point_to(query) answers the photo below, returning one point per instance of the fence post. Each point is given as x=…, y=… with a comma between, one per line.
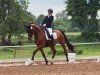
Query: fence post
x=14, y=53
x=93, y=49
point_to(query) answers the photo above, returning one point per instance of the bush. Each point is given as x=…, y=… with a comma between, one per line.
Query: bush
x=79, y=52
x=88, y=36
x=98, y=36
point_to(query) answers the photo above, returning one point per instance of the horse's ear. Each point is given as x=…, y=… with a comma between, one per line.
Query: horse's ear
x=27, y=26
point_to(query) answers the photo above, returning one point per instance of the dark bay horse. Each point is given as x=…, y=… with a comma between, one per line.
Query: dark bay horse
x=41, y=42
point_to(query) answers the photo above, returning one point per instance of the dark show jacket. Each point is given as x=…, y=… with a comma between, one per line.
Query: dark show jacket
x=48, y=21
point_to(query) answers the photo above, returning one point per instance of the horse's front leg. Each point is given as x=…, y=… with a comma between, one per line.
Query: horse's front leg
x=54, y=53
x=44, y=56
x=29, y=62
x=34, y=53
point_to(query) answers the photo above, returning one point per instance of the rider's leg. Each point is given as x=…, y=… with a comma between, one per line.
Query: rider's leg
x=51, y=35
x=50, y=32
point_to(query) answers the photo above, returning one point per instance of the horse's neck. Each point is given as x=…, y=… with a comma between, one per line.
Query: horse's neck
x=38, y=34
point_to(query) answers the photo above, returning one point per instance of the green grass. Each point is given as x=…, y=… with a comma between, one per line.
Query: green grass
x=89, y=50
x=73, y=33
x=8, y=53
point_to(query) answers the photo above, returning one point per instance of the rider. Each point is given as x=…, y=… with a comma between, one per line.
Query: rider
x=47, y=22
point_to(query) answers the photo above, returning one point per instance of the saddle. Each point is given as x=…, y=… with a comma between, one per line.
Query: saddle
x=47, y=34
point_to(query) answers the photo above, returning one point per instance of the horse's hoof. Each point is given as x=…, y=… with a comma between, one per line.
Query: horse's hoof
x=67, y=60
x=29, y=62
x=46, y=63
x=51, y=63
x=52, y=60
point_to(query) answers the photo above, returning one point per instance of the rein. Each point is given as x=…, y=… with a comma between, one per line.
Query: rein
x=37, y=33
x=35, y=36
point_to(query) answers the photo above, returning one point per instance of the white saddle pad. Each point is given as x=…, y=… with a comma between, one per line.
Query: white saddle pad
x=54, y=36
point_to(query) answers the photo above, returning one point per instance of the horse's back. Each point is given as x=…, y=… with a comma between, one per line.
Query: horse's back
x=59, y=34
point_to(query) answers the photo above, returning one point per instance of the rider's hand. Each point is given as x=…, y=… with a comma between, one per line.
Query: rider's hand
x=44, y=25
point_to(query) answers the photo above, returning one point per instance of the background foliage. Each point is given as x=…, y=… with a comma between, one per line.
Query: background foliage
x=78, y=16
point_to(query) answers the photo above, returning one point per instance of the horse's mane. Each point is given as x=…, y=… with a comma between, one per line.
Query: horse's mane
x=35, y=25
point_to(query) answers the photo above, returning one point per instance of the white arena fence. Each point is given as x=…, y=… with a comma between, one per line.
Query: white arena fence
x=15, y=48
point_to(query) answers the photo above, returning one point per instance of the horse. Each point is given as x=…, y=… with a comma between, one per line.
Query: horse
x=41, y=42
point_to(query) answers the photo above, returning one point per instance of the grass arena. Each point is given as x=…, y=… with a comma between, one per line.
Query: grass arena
x=59, y=67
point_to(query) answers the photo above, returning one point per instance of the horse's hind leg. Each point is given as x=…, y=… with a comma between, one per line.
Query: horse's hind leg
x=65, y=50
x=54, y=53
x=53, y=50
x=44, y=56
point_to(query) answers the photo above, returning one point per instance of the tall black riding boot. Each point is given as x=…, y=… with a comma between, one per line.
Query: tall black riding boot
x=52, y=39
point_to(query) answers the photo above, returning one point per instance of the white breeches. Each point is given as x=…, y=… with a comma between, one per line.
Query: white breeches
x=50, y=31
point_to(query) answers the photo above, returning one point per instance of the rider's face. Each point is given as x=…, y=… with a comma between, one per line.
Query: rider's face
x=49, y=13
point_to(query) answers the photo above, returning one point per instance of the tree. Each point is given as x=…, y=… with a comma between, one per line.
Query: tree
x=62, y=21
x=77, y=10
x=39, y=19
x=5, y=7
x=92, y=26
x=80, y=11
x=99, y=25
x=13, y=19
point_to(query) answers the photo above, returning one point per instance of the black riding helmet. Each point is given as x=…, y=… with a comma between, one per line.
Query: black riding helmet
x=50, y=11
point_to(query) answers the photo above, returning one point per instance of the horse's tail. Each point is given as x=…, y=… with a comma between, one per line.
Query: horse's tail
x=70, y=46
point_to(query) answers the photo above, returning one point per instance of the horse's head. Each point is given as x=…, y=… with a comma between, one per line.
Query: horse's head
x=30, y=31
